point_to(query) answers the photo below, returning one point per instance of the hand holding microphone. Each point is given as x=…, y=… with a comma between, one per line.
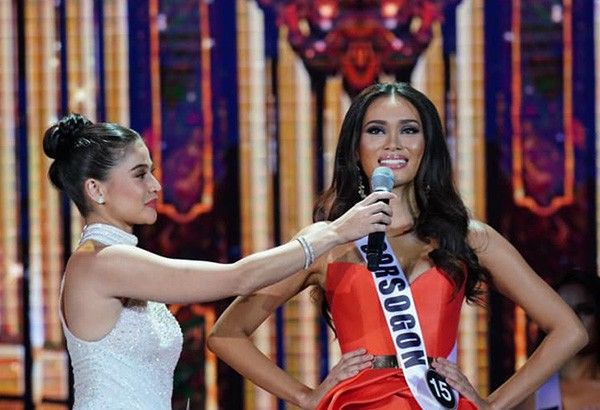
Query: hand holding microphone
x=372, y=214
x=382, y=180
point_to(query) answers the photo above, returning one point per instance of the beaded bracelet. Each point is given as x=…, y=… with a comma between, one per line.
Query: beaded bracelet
x=309, y=252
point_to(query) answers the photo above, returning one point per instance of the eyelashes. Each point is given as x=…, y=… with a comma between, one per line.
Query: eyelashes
x=381, y=130
x=143, y=174
x=375, y=130
x=410, y=130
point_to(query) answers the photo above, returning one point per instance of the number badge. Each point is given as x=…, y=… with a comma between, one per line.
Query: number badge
x=440, y=389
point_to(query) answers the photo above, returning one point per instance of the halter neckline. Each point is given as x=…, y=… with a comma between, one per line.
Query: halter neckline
x=107, y=235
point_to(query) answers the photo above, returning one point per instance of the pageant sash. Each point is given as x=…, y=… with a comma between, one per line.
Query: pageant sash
x=430, y=389
x=547, y=397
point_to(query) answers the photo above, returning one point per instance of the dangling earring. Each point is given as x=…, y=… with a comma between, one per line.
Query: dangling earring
x=361, y=187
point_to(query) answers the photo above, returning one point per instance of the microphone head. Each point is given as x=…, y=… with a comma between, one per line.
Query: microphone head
x=382, y=179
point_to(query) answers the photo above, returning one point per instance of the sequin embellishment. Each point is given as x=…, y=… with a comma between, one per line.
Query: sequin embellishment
x=132, y=366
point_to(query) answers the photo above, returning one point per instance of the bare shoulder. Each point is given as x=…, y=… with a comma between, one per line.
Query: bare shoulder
x=509, y=271
x=83, y=261
x=114, y=255
x=92, y=263
x=487, y=242
x=478, y=235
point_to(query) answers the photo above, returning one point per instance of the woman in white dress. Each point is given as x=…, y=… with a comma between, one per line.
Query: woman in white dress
x=122, y=340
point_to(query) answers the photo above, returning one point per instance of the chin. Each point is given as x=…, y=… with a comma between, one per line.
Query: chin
x=152, y=219
x=147, y=217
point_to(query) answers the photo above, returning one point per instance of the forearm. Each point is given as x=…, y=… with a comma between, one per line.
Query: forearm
x=241, y=354
x=553, y=352
x=135, y=273
x=264, y=268
x=125, y=271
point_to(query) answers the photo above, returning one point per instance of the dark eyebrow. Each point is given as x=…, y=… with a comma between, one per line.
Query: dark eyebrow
x=376, y=122
x=410, y=120
x=139, y=166
x=402, y=122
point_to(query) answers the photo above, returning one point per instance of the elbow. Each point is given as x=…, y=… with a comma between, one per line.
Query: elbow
x=220, y=342
x=571, y=335
x=214, y=343
x=575, y=336
x=581, y=337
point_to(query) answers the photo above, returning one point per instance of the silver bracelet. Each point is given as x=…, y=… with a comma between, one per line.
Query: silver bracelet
x=309, y=252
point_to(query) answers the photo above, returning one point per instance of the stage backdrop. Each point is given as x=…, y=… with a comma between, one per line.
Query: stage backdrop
x=240, y=102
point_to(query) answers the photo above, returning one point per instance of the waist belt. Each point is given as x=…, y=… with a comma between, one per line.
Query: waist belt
x=385, y=362
x=389, y=362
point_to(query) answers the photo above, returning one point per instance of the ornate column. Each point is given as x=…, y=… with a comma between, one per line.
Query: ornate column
x=9, y=295
x=428, y=74
x=336, y=104
x=468, y=86
x=45, y=251
x=116, y=61
x=256, y=197
x=297, y=194
x=12, y=269
x=81, y=75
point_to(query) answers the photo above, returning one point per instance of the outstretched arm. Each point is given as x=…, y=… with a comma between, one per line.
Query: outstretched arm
x=124, y=271
x=514, y=278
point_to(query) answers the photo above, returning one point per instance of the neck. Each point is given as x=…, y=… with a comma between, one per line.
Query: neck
x=96, y=218
x=404, y=209
x=107, y=234
x=581, y=366
x=100, y=219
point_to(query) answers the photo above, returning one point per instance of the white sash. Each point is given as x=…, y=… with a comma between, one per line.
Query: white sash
x=547, y=397
x=401, y=316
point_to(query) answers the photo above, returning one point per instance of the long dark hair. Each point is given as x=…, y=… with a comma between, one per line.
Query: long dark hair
x=82, y=150
x=441, y=215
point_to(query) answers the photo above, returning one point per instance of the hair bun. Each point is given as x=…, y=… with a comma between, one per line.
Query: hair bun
x=60, y=139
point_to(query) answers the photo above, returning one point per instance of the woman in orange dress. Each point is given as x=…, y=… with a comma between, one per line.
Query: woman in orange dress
x=359, y=323
x=445, y=256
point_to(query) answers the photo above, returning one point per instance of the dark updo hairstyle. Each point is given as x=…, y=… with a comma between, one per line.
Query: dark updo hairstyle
x=82, y=150
x=441, y=216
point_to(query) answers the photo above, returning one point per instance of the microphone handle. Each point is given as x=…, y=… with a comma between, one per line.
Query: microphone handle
x=375, y=246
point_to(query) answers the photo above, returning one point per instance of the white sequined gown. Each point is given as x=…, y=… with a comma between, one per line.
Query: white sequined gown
x=132, y=366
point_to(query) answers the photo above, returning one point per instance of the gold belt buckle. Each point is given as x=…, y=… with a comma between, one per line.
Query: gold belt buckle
x=385, y=362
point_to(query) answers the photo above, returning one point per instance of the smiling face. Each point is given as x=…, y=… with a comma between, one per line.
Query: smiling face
x=130, y=192
x=392, y=136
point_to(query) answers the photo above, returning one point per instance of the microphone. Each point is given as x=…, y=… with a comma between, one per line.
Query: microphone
x=381, y=180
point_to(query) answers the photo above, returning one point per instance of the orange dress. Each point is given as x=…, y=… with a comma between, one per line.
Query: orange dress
x=360, y=323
